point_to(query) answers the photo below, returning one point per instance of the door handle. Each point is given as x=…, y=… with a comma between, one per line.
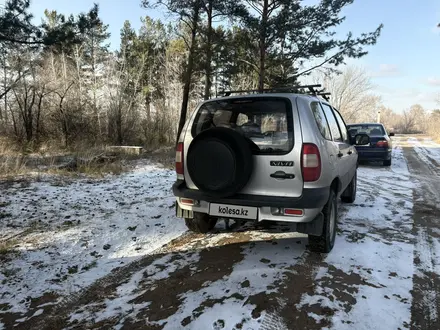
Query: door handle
x=340, y=154
x=349, y=152
x=282, y=175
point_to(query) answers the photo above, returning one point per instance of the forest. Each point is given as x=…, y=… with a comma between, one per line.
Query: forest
x=63, y=87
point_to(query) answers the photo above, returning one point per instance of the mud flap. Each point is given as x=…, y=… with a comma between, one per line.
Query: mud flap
x=180, y=213
x=313, y=227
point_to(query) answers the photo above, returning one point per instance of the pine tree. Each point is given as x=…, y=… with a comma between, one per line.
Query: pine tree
x=94, y=55
x=189, y=12
x=291, y=34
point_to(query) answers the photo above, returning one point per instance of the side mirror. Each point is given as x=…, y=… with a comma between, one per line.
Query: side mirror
x=361, y=140
x=391, y=134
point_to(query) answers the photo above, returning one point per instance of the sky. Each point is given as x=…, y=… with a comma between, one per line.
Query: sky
x=404, y=64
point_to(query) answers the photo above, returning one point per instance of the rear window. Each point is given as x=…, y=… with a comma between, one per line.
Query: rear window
x=265, y=121
x=366, y=129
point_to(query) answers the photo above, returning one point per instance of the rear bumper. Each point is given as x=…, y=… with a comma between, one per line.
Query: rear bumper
x=374, y=154
x=310, y=198
x=311, y=202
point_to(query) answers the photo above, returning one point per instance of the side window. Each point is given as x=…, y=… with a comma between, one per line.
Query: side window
x=341, y=125
x=320, y=120
x=332, y=123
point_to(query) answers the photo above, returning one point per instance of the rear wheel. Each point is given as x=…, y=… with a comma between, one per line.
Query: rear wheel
x=201, y=223
x=325, y=242
x=349, y=195
x=387, y=162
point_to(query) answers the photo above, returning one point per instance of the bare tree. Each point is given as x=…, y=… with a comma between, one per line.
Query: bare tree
x=352, y=94
x=123, y=97
x=420, y=116
x=408, y=122
x=389, y=118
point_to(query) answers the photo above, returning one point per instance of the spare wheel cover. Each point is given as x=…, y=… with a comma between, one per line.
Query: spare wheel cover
x=220, y=161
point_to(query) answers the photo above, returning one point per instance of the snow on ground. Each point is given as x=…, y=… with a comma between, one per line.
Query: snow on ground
x=367, y=276
x=249, y=277
x=426, y=149
x=263, y=265
x=372, y=262
x=65, y=236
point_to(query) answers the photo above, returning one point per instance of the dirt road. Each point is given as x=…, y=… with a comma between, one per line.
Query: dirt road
x=382, y=274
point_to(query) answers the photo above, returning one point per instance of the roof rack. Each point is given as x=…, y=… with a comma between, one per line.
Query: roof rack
x=300, y=89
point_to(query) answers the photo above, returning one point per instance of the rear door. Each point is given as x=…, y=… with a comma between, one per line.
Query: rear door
x=343, y=156
x=270, y=123
x=277, y=167
x=352, y=158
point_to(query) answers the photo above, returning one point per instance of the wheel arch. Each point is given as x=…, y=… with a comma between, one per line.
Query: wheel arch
x=336, y=185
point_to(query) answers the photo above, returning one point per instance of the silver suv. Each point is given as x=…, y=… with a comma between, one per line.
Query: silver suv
x=273, y=156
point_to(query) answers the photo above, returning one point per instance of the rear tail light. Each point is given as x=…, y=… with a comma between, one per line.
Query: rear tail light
x=382, y=144
x=310, y=162
x=179, y=160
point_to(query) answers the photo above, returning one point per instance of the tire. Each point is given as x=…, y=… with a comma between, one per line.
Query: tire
x=220, y=161
x=201, y=223
x=325, y=242
x=387, y=162
x=349, y=195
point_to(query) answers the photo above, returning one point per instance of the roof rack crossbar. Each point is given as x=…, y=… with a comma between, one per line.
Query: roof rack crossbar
x=274, y=89
x=302, y=89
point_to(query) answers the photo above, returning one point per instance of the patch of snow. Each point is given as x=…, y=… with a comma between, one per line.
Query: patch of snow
x=429, y=264
x=263, y=265
x=121, y=303
x=374, y=251
x=387, y=302
x=428, y=150
x=70, y=235
x=38, y=312
x=436, y=257
x=424, y=251
x=118, y=305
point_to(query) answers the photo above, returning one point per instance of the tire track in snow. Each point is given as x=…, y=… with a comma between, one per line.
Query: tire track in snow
x=367, y=275
x=425, y=308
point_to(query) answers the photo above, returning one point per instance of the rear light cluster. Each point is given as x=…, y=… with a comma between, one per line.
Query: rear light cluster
x=382, y=144
x=310, y=162
x=186, y=201
x=287, y=212
x=189, y=202
x=179, y=161
x=294, y=212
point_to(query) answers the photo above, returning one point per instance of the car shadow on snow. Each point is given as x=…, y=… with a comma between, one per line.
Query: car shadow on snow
x=372, y=164
x=235, y=269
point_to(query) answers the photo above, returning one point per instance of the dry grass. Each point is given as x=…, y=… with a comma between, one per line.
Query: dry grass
x=8, y=147
x=90, y=169
x=94, y=161
x=12, y=161
x=12, y=165
x=7, y=248
x=434, y=129
x=165, y=156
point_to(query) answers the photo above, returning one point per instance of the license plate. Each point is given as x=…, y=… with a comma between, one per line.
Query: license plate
x=233, y=211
